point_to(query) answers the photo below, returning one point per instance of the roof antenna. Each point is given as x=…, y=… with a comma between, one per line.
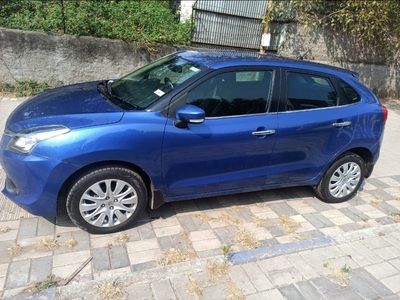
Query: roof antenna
x=301, y=57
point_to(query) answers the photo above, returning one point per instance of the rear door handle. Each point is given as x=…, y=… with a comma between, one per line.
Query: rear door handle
x=342, y=124
x=264, y=132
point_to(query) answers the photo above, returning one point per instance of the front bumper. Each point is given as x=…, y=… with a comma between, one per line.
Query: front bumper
x=33, y=182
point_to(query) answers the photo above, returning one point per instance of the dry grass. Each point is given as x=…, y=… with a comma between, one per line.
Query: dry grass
x=111, y=290
x=13, y=249
x=216, y=270
x=339, y=276
x=122, y=237
x=184, y=233
x=375, y=203
x=70, y=243
x=202, y=216
x=289, y=224
x=260, y=222
x=228, y=219
x=194, y=287
x=174, y=256
x=47, y=244
x=234, y=292
x=246, y=239
x=4, y=229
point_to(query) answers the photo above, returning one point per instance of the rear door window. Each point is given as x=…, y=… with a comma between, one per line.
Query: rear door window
x=307, y=91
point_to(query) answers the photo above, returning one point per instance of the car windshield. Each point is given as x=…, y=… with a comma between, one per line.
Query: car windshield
x=146, y=85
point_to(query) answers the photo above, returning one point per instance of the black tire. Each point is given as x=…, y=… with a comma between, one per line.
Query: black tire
x=107, y=200
x=342, y=179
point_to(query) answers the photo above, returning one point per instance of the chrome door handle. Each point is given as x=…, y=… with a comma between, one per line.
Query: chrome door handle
x=265, y=132
x=342, y=124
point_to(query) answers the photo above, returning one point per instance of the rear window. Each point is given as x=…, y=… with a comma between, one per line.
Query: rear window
x=351, y=95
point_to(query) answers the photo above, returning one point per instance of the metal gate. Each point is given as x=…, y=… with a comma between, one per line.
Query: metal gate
x=228, y=24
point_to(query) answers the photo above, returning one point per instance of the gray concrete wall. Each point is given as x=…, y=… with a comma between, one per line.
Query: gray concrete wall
x=68, y=59
x=344, y=51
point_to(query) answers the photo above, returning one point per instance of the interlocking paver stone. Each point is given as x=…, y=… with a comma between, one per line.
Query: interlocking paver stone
x=119, y=257
x=27, y=228
x=291, y=292
x=257, y=277
x=241, y=280
x=101, y=259
x=371, y=281
x=344, y=293
x=18, y=274
x=308, y=290
x=163, y=290
x=41, y=268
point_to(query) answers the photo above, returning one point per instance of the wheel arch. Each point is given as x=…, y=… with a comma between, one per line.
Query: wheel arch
x=367, y=157
x=62, y=194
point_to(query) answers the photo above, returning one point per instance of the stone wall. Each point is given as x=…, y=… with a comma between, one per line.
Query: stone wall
x=343, y=51
x=67, y=59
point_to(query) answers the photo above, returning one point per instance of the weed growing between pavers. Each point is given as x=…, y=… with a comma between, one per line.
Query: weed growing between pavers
x=226, y=250
x=70, y=243
x=184, y=233
x=4, y=229
x=49, y=282
x=174, y=256
x=340, y=276
x=247, y=239
x=375, y=203
x=14, y=248
x=395, y=216
x=122, y=237
x=111, y=290
x=234, y=292
x=47, y=244
x=194, y=287
x=260, y=222
x=289, y=224
x=216, y=270
x=228, y=219
x=202, y=216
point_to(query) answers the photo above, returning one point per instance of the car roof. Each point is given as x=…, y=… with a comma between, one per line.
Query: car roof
x=218, y=59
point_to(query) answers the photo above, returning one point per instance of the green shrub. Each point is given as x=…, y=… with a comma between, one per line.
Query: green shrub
x=145, y=21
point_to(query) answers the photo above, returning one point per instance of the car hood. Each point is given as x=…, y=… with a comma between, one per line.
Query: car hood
x=75, y=106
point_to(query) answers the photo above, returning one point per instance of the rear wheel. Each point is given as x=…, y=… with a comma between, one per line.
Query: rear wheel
x=107, y=200
x=342, y=179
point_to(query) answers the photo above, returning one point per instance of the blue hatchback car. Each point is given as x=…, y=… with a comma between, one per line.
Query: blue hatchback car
x=193, y=124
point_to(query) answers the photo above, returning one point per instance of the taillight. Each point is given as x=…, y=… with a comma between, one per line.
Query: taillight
x=385, y=113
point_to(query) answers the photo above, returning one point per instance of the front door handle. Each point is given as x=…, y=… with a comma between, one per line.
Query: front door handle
x=342, y=124
x=264, y=132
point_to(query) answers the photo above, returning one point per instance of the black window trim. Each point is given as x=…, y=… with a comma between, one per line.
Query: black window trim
x=283, y=90
x=179, y=99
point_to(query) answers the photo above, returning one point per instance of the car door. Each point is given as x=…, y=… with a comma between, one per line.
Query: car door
x=313, y=127
x=232, y=148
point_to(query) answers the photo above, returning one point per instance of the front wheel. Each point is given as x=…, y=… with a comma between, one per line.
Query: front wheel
x=107, y=200
x=342, y=179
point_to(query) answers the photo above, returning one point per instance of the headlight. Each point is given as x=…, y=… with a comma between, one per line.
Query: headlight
x=23, y=142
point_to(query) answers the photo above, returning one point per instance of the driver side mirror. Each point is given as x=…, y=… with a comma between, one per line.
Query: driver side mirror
x=189, y=114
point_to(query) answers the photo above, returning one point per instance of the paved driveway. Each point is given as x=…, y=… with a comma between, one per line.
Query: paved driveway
x=203, y=228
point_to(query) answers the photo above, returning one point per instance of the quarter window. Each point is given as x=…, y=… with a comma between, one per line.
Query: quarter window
x=305, y=91
x=233, y=93
x=351, y=95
